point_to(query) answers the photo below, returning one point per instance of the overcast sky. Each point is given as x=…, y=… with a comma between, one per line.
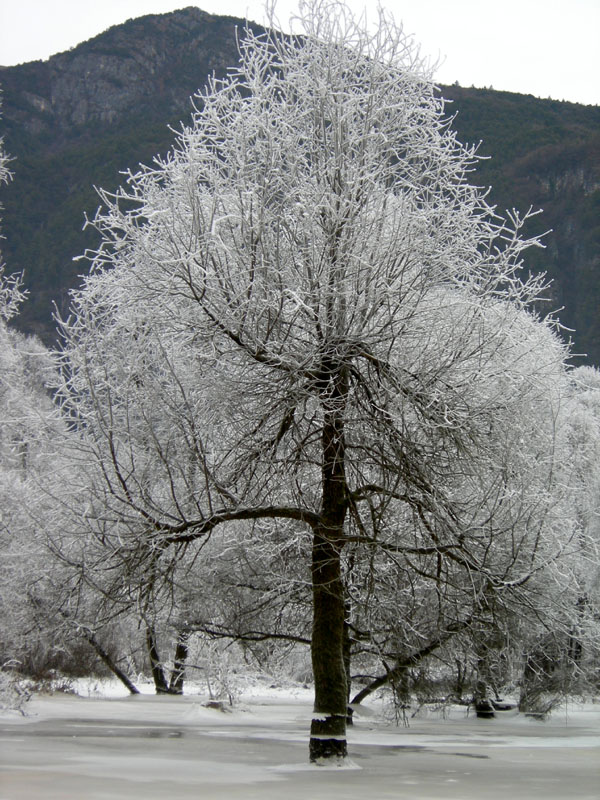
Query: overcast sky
x=548, y=48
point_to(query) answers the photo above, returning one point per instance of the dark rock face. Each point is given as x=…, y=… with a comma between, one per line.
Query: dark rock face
x=77, y=120
x=158, y=60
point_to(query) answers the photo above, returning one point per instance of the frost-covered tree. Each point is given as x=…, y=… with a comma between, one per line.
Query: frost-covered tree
x=562, y=655
x=4, y=158
x=514, y=499
x=10, y=286
x=29, y=429
x=307, y=319
x=30, y=436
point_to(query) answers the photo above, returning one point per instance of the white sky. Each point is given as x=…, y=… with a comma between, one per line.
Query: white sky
x=548, y=48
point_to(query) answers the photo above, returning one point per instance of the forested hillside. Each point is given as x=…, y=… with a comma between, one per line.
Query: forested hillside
x=75, y=121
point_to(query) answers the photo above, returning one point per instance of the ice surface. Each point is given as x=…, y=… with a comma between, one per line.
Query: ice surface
x=112, y=746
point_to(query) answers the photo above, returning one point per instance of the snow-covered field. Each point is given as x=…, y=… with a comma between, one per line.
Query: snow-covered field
x=106, y=745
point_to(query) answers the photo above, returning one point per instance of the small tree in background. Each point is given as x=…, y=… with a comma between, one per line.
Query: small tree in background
x=30, y=435
x=306, y=318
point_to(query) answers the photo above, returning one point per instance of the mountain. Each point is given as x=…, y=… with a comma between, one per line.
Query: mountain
x=76, y=120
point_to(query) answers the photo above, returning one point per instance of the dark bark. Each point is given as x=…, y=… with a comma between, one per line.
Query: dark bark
x=158, y=674
x=221, y=632
x=575, y=646
x=110, y=663
x=482, y=699
x=409, y=661
x=347, y=652
x=178, y=671
x=461, y=678
x=104, y=654
x=328, y=728
x=489, y=646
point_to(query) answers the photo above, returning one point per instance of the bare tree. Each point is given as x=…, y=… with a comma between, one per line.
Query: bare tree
x=307, y=319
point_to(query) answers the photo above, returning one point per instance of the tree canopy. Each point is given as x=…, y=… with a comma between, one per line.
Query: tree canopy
x=307, y=322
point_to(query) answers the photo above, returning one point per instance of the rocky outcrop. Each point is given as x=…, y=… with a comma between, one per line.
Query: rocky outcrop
x=155, y=62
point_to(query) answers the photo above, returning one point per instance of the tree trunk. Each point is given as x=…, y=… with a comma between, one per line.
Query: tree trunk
x=158, y=674
x=575, y=646
x=410, y=661
x=89, y=636
x=347, y=651
x=110, y=663
x=328, y=728
x=178, y=671
x=490, y=668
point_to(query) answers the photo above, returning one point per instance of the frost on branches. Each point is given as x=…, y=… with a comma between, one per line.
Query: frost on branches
x=11, y=294
x=30, y=440
x=306, y=323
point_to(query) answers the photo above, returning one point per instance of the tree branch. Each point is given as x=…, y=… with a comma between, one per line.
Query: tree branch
x=410, y=661
x=191, y=530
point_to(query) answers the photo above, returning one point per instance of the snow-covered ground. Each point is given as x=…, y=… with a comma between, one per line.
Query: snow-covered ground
x=106, y=745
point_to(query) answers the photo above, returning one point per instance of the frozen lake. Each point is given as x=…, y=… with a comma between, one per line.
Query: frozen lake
x=174, y=748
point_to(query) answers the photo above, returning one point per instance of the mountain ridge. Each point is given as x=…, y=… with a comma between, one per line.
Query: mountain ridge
x=78, y=118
